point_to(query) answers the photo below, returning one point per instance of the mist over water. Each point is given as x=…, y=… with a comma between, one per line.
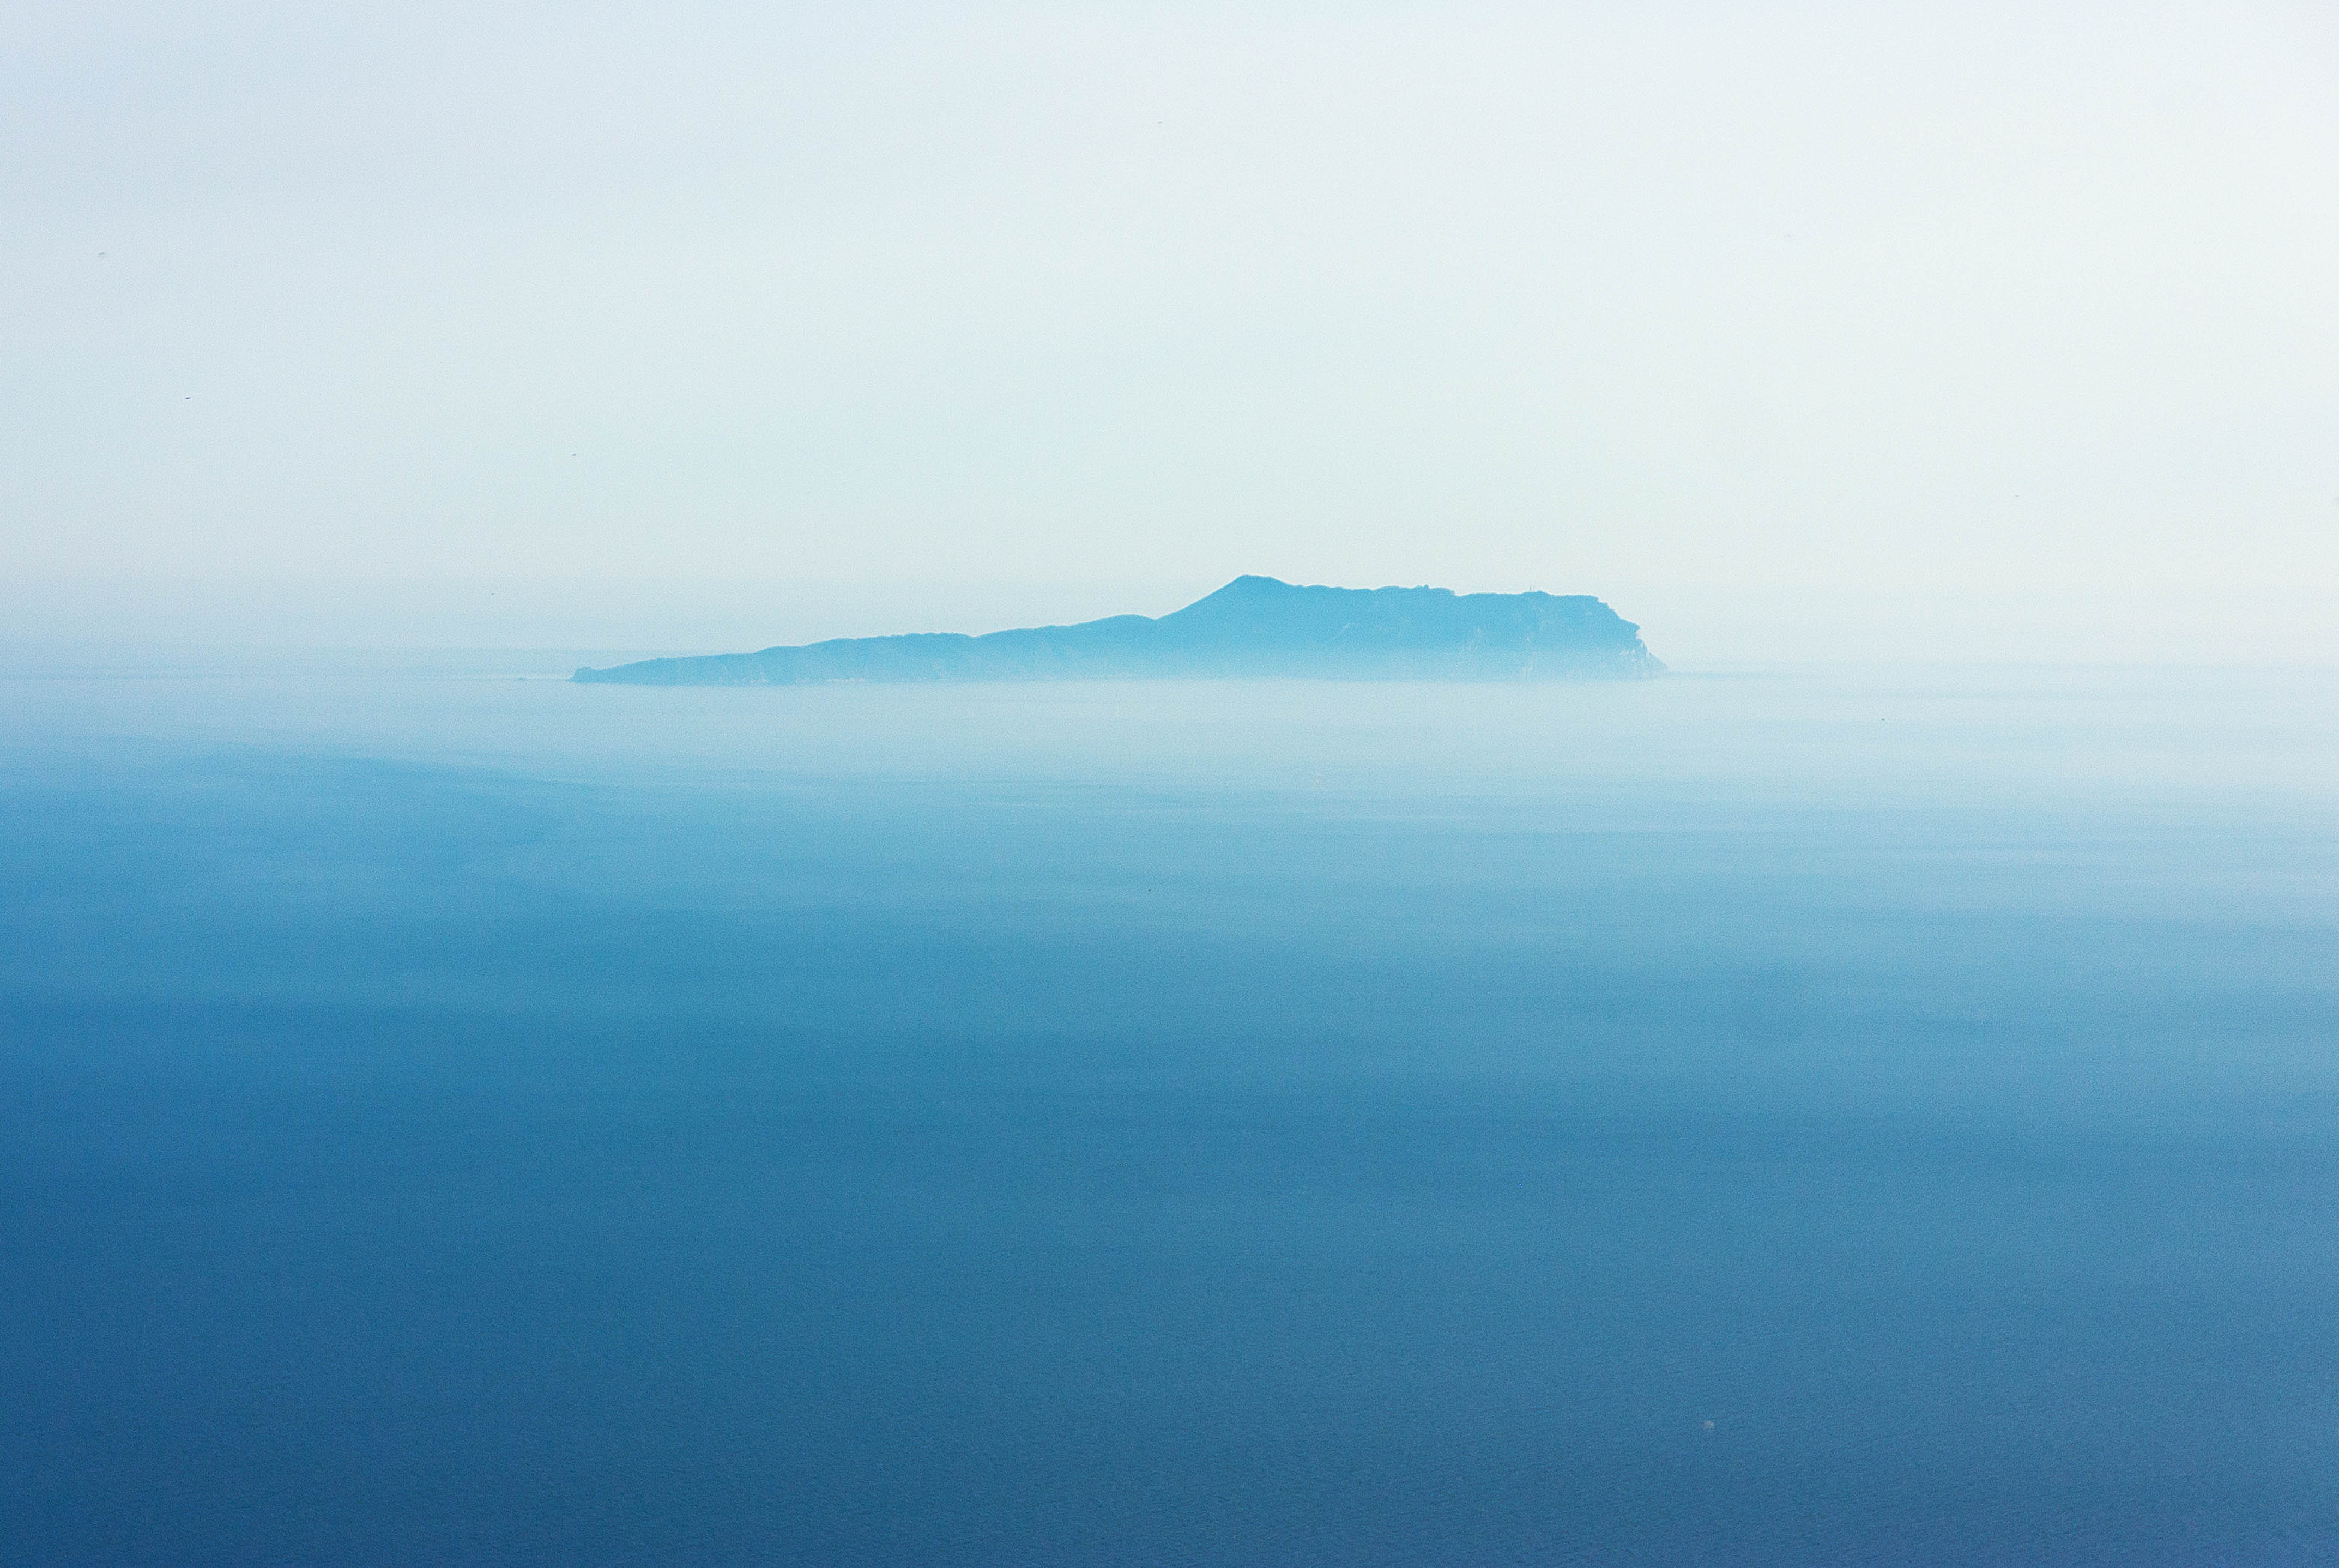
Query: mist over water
x=1796, y=1116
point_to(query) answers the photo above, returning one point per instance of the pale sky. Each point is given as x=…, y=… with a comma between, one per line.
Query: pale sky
x=1909, y=330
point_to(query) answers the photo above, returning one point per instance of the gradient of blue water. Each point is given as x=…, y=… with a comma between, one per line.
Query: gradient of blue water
x=1801, y=1119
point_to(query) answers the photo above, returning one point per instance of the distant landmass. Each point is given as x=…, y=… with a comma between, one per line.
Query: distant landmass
x=1254, y=626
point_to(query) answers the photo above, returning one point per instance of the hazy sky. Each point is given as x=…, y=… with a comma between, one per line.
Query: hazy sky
x=678, y=325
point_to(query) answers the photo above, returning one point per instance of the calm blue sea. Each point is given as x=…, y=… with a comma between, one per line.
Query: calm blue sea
x=1793, y=1117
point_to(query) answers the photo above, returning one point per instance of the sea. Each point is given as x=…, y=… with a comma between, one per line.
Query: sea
x=1799, y=1116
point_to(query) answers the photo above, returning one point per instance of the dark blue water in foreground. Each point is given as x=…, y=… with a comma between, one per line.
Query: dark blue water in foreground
x=1796, y=1121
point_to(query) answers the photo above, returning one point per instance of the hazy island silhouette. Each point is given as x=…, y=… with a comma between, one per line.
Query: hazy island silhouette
x=1254, y=626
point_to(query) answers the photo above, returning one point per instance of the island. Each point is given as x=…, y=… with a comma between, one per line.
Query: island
x=1253, y=627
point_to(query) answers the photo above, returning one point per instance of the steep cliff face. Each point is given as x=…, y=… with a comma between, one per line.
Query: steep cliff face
x=1254, y=626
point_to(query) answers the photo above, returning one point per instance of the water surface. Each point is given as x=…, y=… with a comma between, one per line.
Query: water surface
x=1798, y=1117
